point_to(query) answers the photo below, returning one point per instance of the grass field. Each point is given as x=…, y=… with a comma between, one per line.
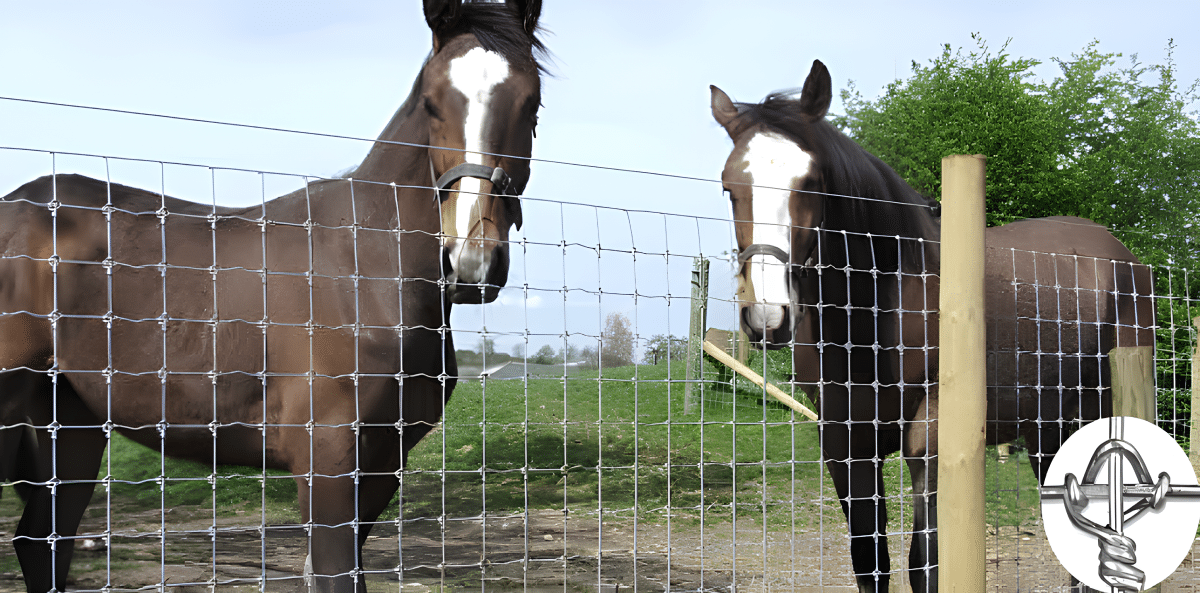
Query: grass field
x=615, y=441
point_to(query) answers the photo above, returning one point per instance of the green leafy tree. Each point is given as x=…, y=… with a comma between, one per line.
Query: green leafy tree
x=545, y=355
x=663, y=347
x=1099, y=141
x=977, y=103
x=1119, y=145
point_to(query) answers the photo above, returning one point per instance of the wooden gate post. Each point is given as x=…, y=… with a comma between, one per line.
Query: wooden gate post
x=696, y=326
x=962, y=381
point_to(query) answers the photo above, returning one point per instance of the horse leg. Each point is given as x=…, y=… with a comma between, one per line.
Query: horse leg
x=920, y=450
x=70, y=459
x=380, y=482
x=18, y=439
x=374, y=493
x=327, y=504
x=857, y=472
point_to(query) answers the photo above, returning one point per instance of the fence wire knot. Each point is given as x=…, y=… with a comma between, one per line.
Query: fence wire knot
x=1118, y=552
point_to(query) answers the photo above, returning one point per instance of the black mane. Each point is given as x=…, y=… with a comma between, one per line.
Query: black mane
x=892, y=207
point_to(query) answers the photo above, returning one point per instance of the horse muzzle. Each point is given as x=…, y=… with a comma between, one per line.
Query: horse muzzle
x=476, y=270
x=476, y=267
x=769, y=326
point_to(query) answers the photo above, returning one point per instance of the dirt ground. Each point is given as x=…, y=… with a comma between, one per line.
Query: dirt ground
x=546, y=553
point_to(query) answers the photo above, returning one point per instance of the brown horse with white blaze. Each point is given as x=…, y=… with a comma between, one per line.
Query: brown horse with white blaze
x=308, y=334
x=839, y=261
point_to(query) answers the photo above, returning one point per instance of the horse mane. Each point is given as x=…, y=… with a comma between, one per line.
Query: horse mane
x=891, y=207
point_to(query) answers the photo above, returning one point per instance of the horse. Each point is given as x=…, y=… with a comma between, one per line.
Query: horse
x=839, y=260
x=307, y=334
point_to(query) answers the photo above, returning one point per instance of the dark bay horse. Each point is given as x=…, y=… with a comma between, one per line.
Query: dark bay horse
x=308, y=334
x=839, y=260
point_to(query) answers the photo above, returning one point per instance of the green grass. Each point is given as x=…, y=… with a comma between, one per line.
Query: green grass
x=136, y=472
x=1010, y=489
x=616, y=440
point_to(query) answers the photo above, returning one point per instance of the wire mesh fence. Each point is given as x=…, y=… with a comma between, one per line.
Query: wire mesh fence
x=567, y=458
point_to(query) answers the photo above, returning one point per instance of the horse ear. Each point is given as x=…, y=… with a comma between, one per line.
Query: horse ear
x=441, y=14
x=529, y=10
x=817, y=93
x=723, y=109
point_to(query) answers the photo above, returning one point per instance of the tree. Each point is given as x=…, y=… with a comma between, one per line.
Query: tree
x=545, y=355
x=569, y=353
x=616, y=341
x=518, y=351
x=1131, y=151
x=979, y=103
x=590, y=356
x=487, y=346
x=662, y=347
x=1117, y=145
x=1098, y=141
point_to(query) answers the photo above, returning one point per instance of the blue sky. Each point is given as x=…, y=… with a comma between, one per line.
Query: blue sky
x=630, y=90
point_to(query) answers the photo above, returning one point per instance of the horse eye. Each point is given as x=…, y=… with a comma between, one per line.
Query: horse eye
x=431, y=109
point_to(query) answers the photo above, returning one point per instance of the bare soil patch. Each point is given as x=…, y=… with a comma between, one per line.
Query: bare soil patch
x=545, y=551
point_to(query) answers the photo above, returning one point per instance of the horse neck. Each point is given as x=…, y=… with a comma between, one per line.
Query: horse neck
x=884, y=219
x=400, y=154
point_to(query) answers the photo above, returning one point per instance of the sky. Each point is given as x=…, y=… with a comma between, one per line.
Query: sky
x=629, y=90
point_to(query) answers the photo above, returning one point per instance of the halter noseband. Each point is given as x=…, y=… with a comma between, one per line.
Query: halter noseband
x=501, y=182
x=763, y=249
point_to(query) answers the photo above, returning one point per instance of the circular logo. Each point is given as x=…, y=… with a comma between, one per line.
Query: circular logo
x=1120, y=504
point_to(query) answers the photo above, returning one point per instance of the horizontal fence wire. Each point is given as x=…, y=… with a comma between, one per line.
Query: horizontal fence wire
x=568, y=455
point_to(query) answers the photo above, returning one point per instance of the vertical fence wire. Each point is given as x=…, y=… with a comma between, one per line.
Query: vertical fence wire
x=734, y=495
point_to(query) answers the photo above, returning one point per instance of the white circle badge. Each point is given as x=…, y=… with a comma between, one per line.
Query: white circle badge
x=1120, y=526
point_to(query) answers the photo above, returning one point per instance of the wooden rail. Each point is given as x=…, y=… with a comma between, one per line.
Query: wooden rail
x=754, y=377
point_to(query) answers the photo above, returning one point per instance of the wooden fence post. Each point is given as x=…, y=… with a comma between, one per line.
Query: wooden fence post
x=962, y=382
x=1133, y=394
x=696, y=327
x=1132, y=369
x=1194, y=427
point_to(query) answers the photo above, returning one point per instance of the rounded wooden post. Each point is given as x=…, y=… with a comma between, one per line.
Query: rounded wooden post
x=962, y=363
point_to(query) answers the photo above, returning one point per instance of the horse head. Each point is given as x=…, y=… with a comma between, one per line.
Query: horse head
x=774, y=183
x=480, y=91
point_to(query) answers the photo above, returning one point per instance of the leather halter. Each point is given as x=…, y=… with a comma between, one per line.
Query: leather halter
x=501, y=182
x=763, y=249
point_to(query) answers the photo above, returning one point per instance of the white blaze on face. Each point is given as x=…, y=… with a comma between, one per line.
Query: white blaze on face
x=475, y=75
x=774, y=164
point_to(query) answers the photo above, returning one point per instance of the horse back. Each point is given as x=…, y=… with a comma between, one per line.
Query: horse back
x=1062, y=292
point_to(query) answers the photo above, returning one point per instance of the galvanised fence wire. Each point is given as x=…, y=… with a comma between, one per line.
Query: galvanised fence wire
x=567, y=456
